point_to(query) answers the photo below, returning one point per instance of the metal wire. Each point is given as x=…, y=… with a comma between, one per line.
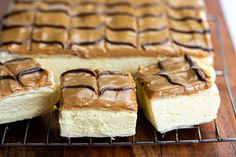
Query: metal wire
x=157, y=138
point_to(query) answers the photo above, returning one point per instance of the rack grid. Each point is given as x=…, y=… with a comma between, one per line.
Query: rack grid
x=44, y=131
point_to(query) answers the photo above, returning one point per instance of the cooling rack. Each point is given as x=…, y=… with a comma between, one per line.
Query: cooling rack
x=44, y=130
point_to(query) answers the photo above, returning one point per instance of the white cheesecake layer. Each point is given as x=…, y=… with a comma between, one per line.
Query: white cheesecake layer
x=60, y=64
x=97, y=123
x=27, y=105
x=174, y=112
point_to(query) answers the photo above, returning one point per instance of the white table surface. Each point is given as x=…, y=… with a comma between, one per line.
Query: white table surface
x=229, y=10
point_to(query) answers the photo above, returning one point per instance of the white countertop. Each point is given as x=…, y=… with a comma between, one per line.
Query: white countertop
x=229, y=10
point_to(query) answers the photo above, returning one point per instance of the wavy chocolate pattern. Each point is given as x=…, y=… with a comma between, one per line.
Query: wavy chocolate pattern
x=7, y=27
x=13, y=43
x=48, y=42
x=17, y=59
x=163, y=74
x=120, y=43
x=102, y=91
x=16, y=12
x=29, y=71
x=183, y=19
x=7, y=77
x=205, y=31
x=195, y=69
x=80, y=86
x=193, y=46
x=154, y=43
x=80, y=71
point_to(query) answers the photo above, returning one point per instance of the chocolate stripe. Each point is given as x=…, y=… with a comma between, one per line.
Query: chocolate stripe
x=87, y=27
x=193, y=46
x=154, y=43
x=7, y=77
x=16, y=12
x=169, y=79
x=13, y=42
x=195, y=69
x=121, y=29
x=144, y=5
x=163, y=74
x=48, y=42
x=122, y=3
x=29, y=71
x=54, y=11
x=114, y=89
x=182, y=19
x=50, y=25
x=120, y=13
x=81, y=86
x=87, y=43
x=87, y=14
x=206, y=31
x=150, y=15
x=119, y=43
x=17, y=59
x=6, y=27
x=57, y=3
x=79, y=71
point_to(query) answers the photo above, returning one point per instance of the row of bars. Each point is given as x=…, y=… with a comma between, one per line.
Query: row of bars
x=218, y=138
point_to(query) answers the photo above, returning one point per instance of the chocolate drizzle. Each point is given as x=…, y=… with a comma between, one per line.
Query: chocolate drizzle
x=195, y=69
x=7, y=77
x=17, y=59
x=97, y=74
x=206, y=31
x=48, y=42
x=29, y=71
x=92, y=73
x=80, y=86
x=163, y=74
x=185, y=18
x=106, y=13
x=102, y=91
x=193, y=46
x=154, y=43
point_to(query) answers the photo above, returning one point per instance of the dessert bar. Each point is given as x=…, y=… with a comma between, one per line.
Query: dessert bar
x=97, y=103
x=114, y=34
x=26, y=90
x=177, y=93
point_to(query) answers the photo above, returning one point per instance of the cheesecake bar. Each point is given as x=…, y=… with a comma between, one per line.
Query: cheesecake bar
x=114, y=34
x=97, y=103
x=26, y=90
x=177, y=92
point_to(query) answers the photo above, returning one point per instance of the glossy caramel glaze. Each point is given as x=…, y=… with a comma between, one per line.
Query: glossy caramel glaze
x=21, y=75
x=174, y=76
x=98, y=89
x=102, y=28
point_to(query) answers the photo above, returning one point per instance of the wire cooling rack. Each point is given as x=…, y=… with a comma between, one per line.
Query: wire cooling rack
x=44, y=131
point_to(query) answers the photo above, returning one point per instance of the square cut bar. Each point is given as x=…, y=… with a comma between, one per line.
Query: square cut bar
x=177, y=93
x=26, y=89
x=97, y=103
x=116, y=34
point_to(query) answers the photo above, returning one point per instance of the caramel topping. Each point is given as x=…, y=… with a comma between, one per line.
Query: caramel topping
x=20, y=75
x=174, y=76
x=99, y=28
x=89, y=88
